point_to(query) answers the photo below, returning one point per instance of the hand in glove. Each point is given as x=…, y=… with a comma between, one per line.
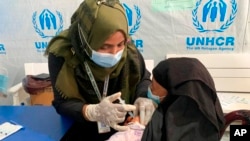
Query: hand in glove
x=145, y=108
x=109, y=113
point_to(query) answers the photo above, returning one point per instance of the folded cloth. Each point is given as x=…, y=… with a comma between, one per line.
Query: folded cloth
x=134, y=133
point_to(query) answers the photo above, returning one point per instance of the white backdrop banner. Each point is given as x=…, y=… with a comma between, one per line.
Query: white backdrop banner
x=156, y=26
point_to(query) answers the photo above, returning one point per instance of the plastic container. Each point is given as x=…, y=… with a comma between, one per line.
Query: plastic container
x=40, y=89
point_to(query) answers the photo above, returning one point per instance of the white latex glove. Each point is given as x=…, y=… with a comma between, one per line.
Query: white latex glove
x=145, y=108
x=109, y=113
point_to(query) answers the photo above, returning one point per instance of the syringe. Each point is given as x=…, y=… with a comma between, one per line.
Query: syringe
x=123, y=102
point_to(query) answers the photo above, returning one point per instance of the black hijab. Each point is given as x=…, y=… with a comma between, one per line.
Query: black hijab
x=191, y=110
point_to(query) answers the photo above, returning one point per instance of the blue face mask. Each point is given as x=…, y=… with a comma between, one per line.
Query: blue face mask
x=106, y=60
x=153, y=97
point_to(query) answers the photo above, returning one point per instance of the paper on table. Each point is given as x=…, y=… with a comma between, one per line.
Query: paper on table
x=7, y=128
x=230, y=101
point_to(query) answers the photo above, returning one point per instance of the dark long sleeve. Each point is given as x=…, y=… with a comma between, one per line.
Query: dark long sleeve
x=69, y=107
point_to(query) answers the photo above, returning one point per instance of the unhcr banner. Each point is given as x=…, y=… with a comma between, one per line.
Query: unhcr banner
x=156, y=26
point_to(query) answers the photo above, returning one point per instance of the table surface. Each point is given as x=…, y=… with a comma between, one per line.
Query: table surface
x=41, y=123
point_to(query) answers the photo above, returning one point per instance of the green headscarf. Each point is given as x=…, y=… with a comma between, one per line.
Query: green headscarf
x=98, y=20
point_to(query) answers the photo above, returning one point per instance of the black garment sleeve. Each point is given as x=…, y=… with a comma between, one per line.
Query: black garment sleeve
x=142, y=87
x=68, y=107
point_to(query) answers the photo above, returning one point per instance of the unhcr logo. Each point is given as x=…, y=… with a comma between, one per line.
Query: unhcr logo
x=134, y=22
x=218, y=16
x=47, y=24
x=214, y=11
x=133, y=27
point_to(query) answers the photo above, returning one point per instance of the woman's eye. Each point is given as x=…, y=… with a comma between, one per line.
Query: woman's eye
x=104, y=47
x=121, y=44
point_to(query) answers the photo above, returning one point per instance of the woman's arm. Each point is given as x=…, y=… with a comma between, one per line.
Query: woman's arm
x=69, y=107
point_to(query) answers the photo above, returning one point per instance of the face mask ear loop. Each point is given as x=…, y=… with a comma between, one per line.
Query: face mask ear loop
x=82, y=37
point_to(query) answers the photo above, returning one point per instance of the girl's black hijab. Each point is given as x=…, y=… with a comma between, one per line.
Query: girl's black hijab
x=191, y=108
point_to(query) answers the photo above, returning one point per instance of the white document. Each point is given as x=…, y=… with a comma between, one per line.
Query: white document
x=234, y=101
x=8, y=128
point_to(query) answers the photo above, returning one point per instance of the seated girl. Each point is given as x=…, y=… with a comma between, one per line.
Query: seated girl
x=188, y=106
x=191, y=110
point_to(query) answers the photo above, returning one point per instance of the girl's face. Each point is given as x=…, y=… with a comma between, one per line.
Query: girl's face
x=113, y=44
x=157, y=89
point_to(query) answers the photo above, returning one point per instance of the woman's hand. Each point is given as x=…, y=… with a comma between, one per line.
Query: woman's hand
x=109, y=113
x=144, y=108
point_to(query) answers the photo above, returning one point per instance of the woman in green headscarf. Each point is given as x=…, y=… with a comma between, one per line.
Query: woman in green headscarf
x=91, y=65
